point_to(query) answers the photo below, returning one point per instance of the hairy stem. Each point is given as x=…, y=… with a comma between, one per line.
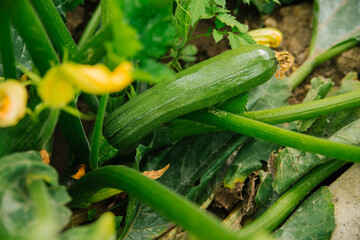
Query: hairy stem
x=276, y=135
x=184, y=128
x=95, y=143
x=55, y=27
x=166, y=202
x=283, y=207
x=91, y=27
x=308, y=66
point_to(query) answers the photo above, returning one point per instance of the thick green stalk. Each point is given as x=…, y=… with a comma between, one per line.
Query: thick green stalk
x=184, y=128
x=55, y=27
x=308, y=66
x=95, y=143
x=33, y=33
x=39, y=195
x=6, y=46
x=283, y=207
x=168, y=203
x=94, y=50
x=70, y=126
x=306, y=110
x=91, y=27
x=276, y=135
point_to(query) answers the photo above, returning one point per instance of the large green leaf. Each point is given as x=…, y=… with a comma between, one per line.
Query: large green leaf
x=274, y=93
x=342, y=126
x=250, y=158
x=189, y=160
x=18, y=215
x=335, y=21
x=103, y=228
x=291, y=164
x=22, y=56
x=314, y=219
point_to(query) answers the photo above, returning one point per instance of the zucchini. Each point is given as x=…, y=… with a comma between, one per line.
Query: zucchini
x=204, y=84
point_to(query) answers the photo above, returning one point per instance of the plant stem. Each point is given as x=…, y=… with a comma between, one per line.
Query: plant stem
x=179, y=130
x=283, y=207
x=39, y=195
x=55, y=27
x=168, y=203
x=308, y=66
x=48, y=128
x=33, y=33
x=91, y=27
x=276, y=135
x=94, y=50
x=306, y=110
x=6, y=46
x=95, y=144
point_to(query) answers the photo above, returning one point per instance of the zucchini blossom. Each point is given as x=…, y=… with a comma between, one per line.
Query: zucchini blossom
x=269, y=37
x=13, y=100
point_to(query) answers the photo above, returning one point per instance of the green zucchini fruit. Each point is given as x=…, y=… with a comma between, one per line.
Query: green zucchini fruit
x=204, y=84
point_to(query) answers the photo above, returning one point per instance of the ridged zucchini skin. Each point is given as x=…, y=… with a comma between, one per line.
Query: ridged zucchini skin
x=204, y=84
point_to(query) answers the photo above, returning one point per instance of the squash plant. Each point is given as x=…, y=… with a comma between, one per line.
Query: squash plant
x=147, y=116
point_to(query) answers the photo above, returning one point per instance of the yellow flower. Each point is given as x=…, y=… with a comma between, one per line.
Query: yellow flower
x=13, y=100
x=54, y=89
x=270, y=37
x=60, y=83
x=98, y=79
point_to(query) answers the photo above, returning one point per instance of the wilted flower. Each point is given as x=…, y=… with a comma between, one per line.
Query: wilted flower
x=80, y=172
x=13, y=100
x=270, y=37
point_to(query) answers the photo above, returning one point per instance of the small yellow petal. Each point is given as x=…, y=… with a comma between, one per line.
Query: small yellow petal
x=13, y=100
x=80, y=172
x=45, y=157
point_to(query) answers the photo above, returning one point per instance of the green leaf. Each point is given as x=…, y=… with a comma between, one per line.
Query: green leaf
x=217, y=35
x=231, y=21
x=335, y=21
x=314, y=219
x=250, y=158
x=22, y=56
x=236, y=41
x=291, y=164
x=266, y=196
x=222, y=3
x=197, y=9
x=153, y=22
x=103, y=228
x=27, y=132
x=189, y=160
x=19, y=217
x=182, y=22
x=274, y=93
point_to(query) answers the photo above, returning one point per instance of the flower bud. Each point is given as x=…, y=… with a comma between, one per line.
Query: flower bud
x=269, y=37
x=98, y=79
x=13, y=100
x=54, y=89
